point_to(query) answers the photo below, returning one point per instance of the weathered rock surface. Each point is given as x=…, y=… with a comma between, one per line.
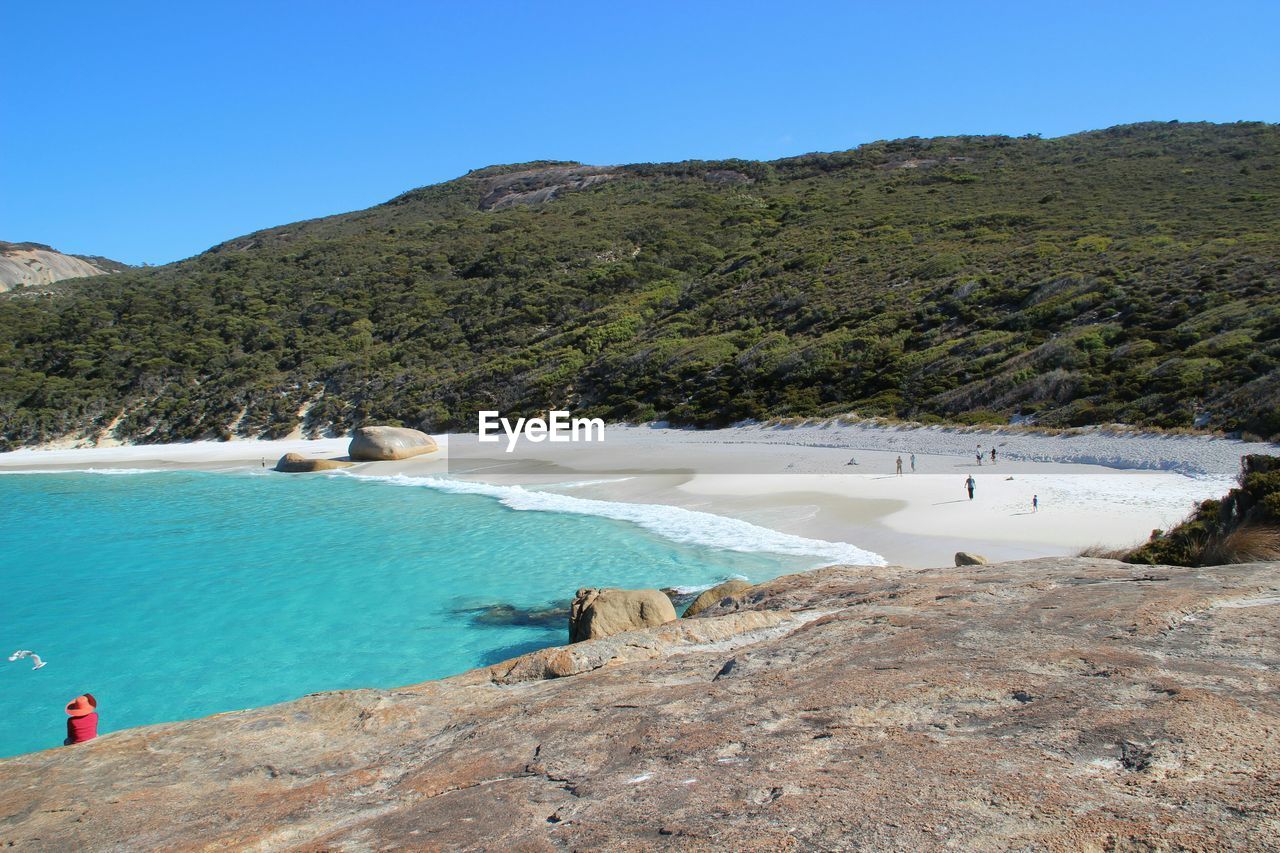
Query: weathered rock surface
x=714, y=595
x=296, y=463
x=385, y=444
x=536, y=185
x=964, y=558
x=727, y=176
x=34, y=264
x=728, y=631
x=597, y=613
x=1058, y=704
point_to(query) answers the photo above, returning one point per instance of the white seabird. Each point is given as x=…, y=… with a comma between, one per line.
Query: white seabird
x=26, y=653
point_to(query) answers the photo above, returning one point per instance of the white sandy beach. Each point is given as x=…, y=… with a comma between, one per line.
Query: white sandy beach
x=1094, y=488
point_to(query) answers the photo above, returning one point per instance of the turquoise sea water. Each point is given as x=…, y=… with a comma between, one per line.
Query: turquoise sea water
x=176, y=595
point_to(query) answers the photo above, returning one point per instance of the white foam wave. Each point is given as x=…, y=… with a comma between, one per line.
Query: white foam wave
x=103, y=471
x=699, y=588
x=675, y=523
x=575, y=484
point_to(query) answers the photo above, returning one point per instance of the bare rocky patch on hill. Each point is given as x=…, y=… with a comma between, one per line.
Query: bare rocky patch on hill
x=35, y=265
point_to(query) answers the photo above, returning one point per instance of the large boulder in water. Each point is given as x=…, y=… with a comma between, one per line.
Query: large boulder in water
x=296, y=463
x=715, y=595
x=386, y=443
x=600, y=613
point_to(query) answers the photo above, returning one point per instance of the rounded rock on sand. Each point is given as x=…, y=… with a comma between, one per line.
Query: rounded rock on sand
x=296, y=463
x=387, y=444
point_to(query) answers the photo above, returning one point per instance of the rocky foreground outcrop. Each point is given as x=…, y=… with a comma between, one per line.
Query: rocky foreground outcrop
x=1049, y=704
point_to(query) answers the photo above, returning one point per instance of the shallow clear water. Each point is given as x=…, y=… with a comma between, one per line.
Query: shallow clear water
x=175, y=595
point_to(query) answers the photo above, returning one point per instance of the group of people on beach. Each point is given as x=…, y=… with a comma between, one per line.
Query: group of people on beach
x=970, y=484
x=978, y=455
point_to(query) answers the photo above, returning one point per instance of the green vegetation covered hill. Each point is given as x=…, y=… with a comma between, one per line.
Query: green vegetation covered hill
x=1129, y=275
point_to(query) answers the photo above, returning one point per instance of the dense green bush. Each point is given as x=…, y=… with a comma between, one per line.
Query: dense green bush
x=1243, y=526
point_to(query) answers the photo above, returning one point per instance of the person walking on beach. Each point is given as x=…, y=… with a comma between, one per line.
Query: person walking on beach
x=913, y=463
x=1035, y=503
x=82, y=719
x=899, y=466
x=978, y=456
x=970, y=484
x=993, y=455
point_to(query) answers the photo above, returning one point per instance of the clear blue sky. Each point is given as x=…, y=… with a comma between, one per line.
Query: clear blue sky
x=151, y=131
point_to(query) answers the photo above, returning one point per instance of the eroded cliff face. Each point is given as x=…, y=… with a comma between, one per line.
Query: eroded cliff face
x=33, y=264
x=1057, y=703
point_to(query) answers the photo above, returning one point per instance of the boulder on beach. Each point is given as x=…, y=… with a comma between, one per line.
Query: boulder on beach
x=597, y=613
x=386, y=443
x=964, y=558
x=715, y=595
x=296, y=463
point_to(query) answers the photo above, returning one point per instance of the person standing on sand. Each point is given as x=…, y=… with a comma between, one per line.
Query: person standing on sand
x=993, y=455
x=978, y=456
x=913, y=463
x=82, y=719
x=899, y=466
x=1035, y=503
x=970, y=484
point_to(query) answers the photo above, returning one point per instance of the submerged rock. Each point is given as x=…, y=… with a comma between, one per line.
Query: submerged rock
x=509, y=614
x=296, y=463
x=599, y=613
x=386, y=444
x=679, y=597
x=715, y=595
x=964, y=558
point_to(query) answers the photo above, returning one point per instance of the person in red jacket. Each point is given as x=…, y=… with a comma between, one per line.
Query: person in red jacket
x=82, y=719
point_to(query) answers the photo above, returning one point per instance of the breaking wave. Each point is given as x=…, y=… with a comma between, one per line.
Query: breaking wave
x=675, y=523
